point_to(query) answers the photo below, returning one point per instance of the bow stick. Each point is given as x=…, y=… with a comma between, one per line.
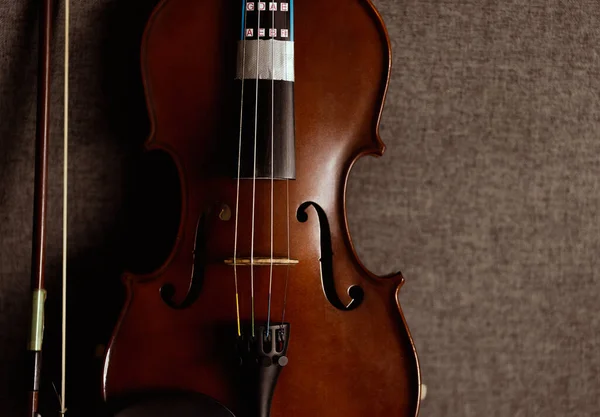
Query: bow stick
x=40, y=206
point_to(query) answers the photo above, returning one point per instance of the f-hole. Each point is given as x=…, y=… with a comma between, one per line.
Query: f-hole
x=167, y=291
x=355, y=292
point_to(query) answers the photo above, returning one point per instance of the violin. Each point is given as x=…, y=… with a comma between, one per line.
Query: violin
x=262, y=307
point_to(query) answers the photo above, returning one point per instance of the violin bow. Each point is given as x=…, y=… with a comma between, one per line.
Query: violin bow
x=42, y=144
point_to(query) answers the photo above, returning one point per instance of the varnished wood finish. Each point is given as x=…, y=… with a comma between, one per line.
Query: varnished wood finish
x=341, y=363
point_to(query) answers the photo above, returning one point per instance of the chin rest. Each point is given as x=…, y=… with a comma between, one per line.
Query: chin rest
x=175, y=405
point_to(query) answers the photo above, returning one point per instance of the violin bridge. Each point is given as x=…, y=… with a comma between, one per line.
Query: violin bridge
x=261, y=261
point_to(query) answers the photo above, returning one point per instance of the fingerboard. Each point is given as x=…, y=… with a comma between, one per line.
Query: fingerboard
x=265, y=72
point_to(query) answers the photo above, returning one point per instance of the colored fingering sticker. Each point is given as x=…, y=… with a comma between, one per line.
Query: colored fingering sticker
x=266, y=51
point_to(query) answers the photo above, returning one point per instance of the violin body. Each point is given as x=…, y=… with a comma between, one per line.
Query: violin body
x=348, y=350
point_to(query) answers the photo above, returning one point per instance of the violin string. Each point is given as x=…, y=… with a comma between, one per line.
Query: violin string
x=254, y=171
x=287, y=270
x=272, y=164
x=237, y=195
x=63, y=408
x=287, y=207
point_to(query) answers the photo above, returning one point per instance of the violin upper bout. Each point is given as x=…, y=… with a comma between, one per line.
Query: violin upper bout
x=370, y=142
x=376, y=146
